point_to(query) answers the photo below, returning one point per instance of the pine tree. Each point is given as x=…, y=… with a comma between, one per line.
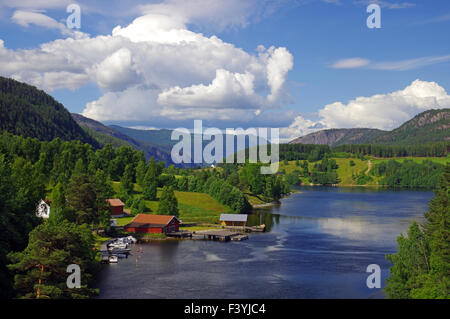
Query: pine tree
x=168, y=204
x=41, y=268
x=140, y=173
x=421, y=268
x=150, y=187
x=58, y=199
x=126, y=182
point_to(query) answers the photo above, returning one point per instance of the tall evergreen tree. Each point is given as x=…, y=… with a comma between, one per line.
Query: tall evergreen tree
x=141, y=169
x=150, y=186
x=421, y=267
x=41, y=268
x=168, y=204
x=126, y=182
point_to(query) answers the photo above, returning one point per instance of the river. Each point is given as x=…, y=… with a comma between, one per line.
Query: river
x=319, y=244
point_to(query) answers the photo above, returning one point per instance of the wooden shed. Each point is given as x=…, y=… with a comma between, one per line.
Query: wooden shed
x=233, y=220
x=146, y=223
x=116, y=207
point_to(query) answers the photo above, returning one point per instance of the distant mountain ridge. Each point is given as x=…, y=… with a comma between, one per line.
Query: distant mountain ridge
x=426, y=127
x=335, y=137
x=159, y=138
x=105, y=135
x=30, y=112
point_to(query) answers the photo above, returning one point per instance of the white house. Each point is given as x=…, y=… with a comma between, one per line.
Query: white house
x=43, y=209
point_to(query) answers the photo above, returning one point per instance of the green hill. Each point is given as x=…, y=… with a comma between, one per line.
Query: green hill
x=108, y=135
x=159, y=138
x=29, y=112
x=426, y=127
x=335, y=137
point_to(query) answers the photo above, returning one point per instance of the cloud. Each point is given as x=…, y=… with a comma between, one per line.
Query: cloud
x=117, y=71
x=36, y=4
x=401, y=65
x=441, y=18
x=387, y=4
x=226, y=90
x=382, y=111
x=27, y=18
x=350, y=63
x=410, y=64
x=279, y=63
x=155, y=67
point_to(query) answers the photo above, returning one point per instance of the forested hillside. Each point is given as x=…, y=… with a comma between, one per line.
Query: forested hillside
x=334, y=137
x=108, y=135
x=29, y=112
x=427, y=127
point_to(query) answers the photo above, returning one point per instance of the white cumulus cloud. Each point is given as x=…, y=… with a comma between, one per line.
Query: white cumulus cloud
x=382, y=111
x=155, y=67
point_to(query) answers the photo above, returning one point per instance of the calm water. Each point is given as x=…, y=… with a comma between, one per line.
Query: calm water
x=319, y=245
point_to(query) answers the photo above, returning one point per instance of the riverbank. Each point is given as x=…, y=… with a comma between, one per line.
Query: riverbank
x=318, y=246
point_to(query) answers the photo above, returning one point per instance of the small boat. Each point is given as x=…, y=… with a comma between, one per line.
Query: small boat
x=113, y=259
x=132, y=239
x=116, y=251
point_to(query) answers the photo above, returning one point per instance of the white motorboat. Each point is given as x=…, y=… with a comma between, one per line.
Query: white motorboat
x=113, y=259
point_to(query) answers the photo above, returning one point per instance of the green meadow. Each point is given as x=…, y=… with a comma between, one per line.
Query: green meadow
x=199, y=208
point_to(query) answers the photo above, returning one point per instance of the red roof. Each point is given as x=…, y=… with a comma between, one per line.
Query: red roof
x=115, y=202
x=160, y=220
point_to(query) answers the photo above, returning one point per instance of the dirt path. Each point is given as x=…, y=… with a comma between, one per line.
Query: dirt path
x=369, y=167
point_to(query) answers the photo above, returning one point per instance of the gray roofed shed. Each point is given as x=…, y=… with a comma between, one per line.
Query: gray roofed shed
x=233, y=217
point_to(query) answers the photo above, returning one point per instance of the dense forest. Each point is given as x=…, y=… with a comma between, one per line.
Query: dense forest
x=29, y=112
x=438, y=149
x=421, y=267
x=408, y=174
x=78, y=179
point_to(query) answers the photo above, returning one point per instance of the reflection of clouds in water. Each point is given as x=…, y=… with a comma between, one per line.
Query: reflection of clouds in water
x=260, y=253
x=353, y=207
x=212, y=257
x=362, y=229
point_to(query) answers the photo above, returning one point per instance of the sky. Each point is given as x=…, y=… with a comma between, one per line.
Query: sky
x=300, y=65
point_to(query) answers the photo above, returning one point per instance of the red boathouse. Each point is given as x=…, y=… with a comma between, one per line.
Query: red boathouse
x=116, y=206
x=146, y=223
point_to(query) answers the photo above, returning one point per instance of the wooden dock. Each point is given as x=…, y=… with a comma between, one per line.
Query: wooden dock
x=212, y=234
x=180, y=234
x=247, y=229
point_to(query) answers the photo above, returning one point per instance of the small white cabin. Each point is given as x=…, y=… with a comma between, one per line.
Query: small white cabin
x=43, y=209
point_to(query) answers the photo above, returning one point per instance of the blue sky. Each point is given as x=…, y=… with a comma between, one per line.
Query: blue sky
x=326, y=68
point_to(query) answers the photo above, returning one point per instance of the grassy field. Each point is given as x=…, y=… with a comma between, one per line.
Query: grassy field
x=440, y=160
x=345, y=171
x=193, y=207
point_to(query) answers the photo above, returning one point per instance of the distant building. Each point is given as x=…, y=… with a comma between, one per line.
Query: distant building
x=43, y=208
x=146, y=223
x=116, y=207
x=233, y=219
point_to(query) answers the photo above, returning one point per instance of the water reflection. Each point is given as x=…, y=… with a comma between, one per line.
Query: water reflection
x=317, y=245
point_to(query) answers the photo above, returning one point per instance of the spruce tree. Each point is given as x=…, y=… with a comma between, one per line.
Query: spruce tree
x=168, y=204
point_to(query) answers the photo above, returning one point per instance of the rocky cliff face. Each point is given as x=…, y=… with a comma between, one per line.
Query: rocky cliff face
x=334, y=137
x=428, y=126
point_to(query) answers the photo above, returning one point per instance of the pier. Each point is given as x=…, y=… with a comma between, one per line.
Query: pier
x=220, y=235
x=180, y=234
